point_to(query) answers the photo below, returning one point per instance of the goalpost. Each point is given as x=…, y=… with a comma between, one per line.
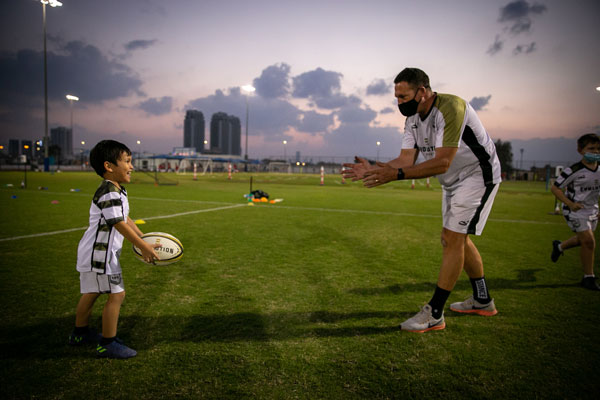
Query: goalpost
x=278, y=166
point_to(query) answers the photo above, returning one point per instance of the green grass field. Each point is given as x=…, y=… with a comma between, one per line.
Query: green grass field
x=300, y=299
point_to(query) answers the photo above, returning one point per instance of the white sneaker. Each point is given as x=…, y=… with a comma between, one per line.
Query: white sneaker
x=472, y=306
x=423, y=321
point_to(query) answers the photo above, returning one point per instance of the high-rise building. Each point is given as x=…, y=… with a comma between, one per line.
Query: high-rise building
x=225, y=134
x=63, y=138
x=193, y=130
x=13, y=148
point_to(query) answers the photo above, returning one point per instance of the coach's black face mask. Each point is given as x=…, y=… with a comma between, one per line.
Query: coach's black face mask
x=410, y=107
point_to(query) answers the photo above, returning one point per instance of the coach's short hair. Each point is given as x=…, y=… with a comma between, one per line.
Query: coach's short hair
x=414, y=77
x=588, y=138
x=106, y=150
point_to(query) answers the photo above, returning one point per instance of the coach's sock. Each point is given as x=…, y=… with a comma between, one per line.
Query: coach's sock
x=560, y=247
x=588, y=276
x=480, y=291
x=81, y=330
x=106, y=341
x=438, y=301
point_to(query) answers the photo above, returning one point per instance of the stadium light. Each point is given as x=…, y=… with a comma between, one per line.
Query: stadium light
x=249, y=89
x=52, y=3
x=598, y=88
x=378, y=144
x=284, y=153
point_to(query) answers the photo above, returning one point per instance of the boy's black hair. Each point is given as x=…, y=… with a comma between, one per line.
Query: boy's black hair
x=414, y=77
x=106, y=150
x=588, y=138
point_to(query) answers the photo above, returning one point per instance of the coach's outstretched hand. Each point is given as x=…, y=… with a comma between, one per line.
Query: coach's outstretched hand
x=356, y=171
x=382, y=173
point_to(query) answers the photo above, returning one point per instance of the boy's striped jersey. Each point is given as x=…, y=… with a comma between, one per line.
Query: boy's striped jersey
x=100, y=247
x=582, y=186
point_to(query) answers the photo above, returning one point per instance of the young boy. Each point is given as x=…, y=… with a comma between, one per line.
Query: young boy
x=100, y=249
x=580, y=205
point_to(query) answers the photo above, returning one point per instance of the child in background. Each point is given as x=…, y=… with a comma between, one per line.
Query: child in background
x=580, y=205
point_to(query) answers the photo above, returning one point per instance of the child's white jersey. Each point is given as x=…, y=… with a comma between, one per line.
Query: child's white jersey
x=582, y=186
x=100, y=247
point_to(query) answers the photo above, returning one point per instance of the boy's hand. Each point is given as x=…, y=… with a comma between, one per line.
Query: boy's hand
x=575, y=206
x=148, y=252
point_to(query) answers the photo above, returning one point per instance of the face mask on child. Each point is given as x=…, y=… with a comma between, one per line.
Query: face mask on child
x=591, y=157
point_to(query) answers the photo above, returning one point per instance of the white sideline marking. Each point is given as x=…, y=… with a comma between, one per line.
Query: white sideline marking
x=149, y=218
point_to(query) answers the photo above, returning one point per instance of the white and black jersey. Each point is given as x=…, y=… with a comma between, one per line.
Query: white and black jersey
x=582, y=186
x=452, y=122
x=100, y=247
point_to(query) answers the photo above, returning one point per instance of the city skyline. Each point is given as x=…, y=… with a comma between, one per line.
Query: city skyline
x=322, y=70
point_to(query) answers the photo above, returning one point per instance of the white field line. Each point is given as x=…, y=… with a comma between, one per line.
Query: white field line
x=149, y=218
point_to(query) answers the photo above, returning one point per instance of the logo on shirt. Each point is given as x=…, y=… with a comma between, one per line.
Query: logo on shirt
x=414, y=126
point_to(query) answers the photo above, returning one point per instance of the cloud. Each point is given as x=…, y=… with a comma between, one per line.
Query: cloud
x=323, y=88
x=157, y=106
x=520, y=9
x=524, y=48
x=478, y=103
x=139, y=44
x=379, y=87
x=387, y=110
x=353, y=114
x=78, y=69
x=273, y=81
x=314, y=122
x=518, y=15
x=267, y=116
x=496, y=46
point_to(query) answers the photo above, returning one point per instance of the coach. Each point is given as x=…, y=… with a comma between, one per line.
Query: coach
x=446, y=131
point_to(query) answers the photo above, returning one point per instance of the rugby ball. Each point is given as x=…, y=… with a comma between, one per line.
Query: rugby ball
x=171, y=249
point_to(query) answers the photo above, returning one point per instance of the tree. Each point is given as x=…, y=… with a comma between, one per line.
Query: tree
x=505, y=155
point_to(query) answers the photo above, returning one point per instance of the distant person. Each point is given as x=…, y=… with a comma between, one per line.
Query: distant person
x=99, y=250
x=447, y=132
x=578, y=187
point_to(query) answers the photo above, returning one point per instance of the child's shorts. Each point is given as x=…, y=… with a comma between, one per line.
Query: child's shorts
x=581, y=224
x=93, y=282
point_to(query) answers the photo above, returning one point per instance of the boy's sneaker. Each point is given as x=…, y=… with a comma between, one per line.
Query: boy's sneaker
x=555, y=251
x=472, y=306
x=87, y=338
x=590, y=283
x=115, y=350
x=423, y=321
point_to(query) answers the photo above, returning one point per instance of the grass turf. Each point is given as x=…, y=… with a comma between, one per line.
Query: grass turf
x=299, y=299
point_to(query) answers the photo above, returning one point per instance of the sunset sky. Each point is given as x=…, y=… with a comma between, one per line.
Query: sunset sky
x=323, y=70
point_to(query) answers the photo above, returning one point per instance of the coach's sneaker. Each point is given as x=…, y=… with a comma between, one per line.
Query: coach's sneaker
x=555, y=251
x=115, y=350
x=590, y=283
x=472, y=306
x=423, y=321
x=90, y=337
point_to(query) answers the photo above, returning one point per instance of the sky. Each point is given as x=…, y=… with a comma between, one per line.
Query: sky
x=323, y=70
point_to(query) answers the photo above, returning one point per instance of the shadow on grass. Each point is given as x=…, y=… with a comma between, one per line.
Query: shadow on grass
x=47, y=339
x=525, y=281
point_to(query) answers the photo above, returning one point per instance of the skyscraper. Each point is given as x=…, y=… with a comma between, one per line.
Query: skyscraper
x=193, y=130
x=225, y=134
x=63, y=138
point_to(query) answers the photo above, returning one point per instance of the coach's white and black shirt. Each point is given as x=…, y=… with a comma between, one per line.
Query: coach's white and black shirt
x=452, y=122
x=582, y=186
x=100, y=248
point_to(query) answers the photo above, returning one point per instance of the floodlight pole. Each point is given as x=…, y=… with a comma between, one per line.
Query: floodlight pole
x=248, y=89
x=46, y=144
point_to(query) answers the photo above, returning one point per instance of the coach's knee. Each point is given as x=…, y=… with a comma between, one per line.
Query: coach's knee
x=451, y=239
